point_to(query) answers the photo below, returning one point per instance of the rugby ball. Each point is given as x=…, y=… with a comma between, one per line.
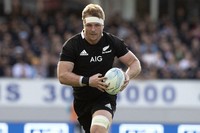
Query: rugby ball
x=115, y=79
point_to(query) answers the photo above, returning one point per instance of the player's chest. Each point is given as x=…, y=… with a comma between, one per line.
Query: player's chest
x=96, y=54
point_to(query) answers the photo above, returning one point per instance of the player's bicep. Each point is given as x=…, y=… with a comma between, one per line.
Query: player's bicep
x=128, y=58
x=64, y=67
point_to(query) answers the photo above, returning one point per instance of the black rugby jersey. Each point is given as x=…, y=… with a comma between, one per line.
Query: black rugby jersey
x=91, y=59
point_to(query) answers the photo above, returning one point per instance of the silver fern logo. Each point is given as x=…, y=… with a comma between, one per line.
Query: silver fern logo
x=105, y=50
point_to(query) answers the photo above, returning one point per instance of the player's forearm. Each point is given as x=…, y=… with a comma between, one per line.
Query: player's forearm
x=69, y=78
x=134, y=69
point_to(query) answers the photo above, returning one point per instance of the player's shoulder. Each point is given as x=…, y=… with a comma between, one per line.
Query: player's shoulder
x=112, y=37
x=73, y=39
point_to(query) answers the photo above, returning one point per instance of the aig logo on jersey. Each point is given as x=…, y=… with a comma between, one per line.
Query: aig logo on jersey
x=3, y=128
x=141, y=128
x=96, y=59
x=189, y=129
x=46, y=128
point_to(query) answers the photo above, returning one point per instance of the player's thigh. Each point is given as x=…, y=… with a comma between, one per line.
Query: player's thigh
x=104, y=113
x=101, y=120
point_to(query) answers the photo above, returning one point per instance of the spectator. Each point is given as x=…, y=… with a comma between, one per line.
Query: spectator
x=166, y=49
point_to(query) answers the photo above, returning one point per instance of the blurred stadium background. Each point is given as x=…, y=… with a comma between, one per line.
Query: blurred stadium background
x=164, y=34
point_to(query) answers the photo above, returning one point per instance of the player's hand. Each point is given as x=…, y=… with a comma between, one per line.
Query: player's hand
x=97, y=81
x=125, y=82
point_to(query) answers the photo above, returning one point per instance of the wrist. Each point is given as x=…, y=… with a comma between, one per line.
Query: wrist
x=85, y=81
x=80, y=81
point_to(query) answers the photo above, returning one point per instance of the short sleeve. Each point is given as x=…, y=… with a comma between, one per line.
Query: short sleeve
x=67, y=52
x=120, y=47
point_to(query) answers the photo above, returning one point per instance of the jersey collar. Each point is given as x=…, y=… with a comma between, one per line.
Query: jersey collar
x=82, y=34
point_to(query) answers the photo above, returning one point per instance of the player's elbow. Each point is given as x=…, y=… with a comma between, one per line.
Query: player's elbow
x=139, y=68
x=61, y=78
x=136, y=67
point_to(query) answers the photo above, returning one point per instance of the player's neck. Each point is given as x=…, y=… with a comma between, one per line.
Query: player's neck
x=92, y=42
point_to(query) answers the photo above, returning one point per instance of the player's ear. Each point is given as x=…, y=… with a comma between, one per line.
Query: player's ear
x=84, y=22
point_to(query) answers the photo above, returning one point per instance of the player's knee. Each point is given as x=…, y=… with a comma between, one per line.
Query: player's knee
x=100, y=124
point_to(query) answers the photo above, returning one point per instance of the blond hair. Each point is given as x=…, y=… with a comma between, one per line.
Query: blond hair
x=93, y=10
